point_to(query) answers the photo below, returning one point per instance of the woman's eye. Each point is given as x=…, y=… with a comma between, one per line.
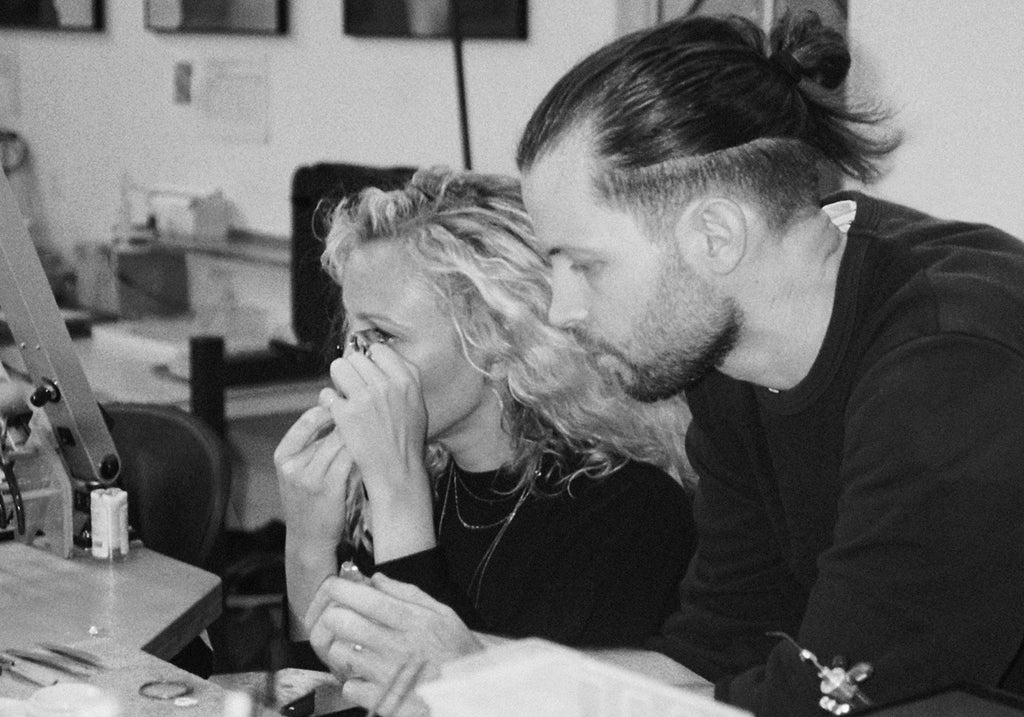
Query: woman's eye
x=362, y=340
x=376, y=336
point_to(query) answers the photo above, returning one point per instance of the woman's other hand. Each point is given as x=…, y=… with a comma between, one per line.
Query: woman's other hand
x=313, y=469
x=366, y=632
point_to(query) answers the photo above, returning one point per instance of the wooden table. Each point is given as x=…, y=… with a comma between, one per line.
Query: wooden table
x=124, y=673
x=128, y=614
x=147, y=602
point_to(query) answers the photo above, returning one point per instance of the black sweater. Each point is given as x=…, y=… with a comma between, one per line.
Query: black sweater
x=598, y=565
x=876, y=510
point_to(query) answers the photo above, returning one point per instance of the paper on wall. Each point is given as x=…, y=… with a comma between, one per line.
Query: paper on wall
x=235, y=100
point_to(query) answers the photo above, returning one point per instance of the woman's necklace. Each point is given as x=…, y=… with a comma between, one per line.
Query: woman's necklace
x=476, y=581
x=455, y=483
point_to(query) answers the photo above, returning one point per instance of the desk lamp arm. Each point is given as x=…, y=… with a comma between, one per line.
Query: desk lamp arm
x=61, y=390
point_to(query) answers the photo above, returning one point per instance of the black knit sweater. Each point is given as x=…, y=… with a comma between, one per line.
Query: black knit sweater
x=876, y=510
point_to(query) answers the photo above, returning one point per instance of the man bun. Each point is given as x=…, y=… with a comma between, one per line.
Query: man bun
x=820, y=51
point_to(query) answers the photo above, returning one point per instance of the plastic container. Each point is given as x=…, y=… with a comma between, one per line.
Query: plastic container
x=541, y=679
x=109, y=523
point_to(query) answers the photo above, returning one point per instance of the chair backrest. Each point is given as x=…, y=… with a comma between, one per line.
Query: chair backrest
x=177, y=472
x=314, y=295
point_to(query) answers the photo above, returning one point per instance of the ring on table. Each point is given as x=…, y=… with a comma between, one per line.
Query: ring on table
x=357, y=647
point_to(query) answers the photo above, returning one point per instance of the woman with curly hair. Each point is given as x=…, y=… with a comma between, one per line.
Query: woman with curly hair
x=470, y=448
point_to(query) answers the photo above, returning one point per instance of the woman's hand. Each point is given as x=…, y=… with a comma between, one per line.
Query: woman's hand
x=366, y=631
x=313, y=473
x=378, y=411
x=313, y=470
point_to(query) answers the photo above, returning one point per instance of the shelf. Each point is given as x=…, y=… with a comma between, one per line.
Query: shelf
x=241, y=245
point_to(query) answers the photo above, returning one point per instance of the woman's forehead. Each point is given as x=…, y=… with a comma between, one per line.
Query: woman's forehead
x=380, y=278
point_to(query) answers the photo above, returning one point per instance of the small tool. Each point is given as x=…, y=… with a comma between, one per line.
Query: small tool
x=49, y=661
x=80, y=656
x=34, y=676
x=12, y=485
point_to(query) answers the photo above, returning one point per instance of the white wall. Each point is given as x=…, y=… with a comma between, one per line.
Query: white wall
x=953, y=71
x=93, y=106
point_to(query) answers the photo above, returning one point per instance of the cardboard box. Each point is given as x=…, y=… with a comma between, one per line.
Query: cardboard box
x=132, y=281
x=197, y=215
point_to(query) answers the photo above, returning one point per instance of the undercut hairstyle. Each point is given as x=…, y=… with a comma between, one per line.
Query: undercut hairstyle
x=779, y=175
x=700, y=86
x=472, y=242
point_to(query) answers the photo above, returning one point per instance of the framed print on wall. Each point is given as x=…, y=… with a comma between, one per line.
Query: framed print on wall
x=239, y=17
x=763, y=12
x=486, y=19
x=52, y=14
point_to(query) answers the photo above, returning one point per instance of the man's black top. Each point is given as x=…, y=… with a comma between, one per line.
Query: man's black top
x=876, y=510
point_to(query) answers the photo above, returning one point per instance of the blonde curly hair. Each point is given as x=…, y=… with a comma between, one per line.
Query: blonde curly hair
x=470, y=236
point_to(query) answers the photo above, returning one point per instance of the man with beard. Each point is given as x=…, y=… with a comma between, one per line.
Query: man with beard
x=855, y=368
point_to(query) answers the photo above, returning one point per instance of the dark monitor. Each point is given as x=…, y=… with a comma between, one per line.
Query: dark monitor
x=316, y=189
x=51, y=15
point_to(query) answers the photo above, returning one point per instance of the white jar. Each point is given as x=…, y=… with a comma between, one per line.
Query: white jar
x=71, y=699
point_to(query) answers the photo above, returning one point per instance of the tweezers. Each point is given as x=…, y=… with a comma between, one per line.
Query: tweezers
x=53, y=663
x=80, y=656
x=12, y=485
x=11, y=667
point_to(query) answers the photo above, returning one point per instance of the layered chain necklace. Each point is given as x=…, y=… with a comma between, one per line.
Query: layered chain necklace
x=502, y=524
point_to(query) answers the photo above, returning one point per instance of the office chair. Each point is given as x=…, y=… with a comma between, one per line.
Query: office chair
x=177, y=472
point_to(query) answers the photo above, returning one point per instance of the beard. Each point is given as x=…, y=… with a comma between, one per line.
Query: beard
x=685, y=332
x=664, y=373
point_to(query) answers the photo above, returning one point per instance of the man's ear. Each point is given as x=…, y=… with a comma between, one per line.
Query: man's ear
x=713, y=232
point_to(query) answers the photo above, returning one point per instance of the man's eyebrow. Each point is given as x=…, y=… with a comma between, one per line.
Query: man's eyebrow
x=554, y=251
